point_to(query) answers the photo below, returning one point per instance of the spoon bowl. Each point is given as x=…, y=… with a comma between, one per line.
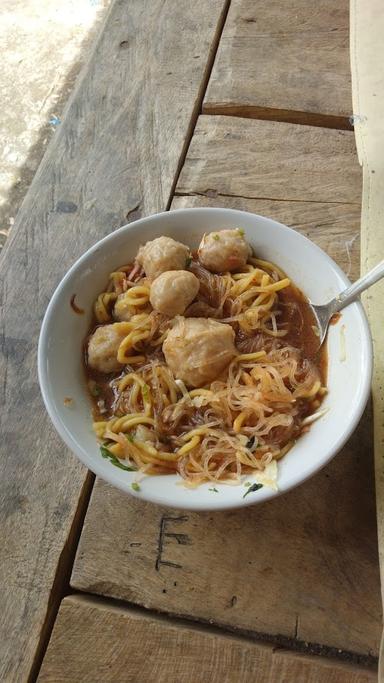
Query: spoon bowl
x=323, y=313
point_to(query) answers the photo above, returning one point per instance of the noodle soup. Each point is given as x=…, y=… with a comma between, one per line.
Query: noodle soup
x=203, y=364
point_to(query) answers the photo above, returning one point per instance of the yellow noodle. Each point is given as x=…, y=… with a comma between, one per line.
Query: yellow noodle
x=117, y=450
x=134, y=360
x=145, y=446
x=238, y=422
x=200, y=392
x=103, y=305
x=194, y=441
x=267, y=264
x=122, y=424
x=247, y=379
x=249, y=356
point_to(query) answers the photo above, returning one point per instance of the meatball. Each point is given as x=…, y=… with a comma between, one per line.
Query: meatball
x=197, y=350
x=162, y=254
x=224, y=250
x=173, y=291
x=103, y=346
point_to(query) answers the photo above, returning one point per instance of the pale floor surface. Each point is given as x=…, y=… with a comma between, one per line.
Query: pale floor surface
x=43, y=45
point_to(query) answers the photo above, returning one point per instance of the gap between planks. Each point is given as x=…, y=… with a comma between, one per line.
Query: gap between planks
x=198, y=109
x=283, y=115
x=214, y=194
x=60, y=586
x=277, y=642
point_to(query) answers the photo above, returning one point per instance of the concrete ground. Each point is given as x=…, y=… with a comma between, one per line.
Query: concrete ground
x=43, y=44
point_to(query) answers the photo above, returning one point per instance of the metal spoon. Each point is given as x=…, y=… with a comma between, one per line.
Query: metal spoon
x=324, y=313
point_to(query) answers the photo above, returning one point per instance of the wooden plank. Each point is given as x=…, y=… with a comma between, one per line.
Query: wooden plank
x=304, y=565
x=250, y=165
x=93, y=641
x=269, y=160
x=284, y=61
x=313, y=568
x=367, y=52
x=113, y=158
x=334, y=227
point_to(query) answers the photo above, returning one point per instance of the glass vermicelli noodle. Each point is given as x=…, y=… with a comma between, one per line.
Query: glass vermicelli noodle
x=203, y=364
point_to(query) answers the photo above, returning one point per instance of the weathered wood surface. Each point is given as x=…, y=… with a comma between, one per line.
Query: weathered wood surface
x=284, y=61
x=306, y=177
x=367, y=53
x=113, y=158
x=271, y=160
x=303, y=565
x=334, y=227
x=92, y=642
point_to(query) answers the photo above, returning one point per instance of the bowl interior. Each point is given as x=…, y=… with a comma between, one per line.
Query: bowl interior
x=62, y=376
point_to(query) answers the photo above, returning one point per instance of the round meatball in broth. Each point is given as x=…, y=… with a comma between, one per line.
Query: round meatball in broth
x=173, y=291
x=198, y=349
x=162, y=254
x=224, y=251
x=103, y=346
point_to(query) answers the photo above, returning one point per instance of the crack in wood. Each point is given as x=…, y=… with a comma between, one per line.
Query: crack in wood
x=215, y=193
x=295, y=635
x=276, y=641
x=61, y=581
x=181, y=539
x=198, y=108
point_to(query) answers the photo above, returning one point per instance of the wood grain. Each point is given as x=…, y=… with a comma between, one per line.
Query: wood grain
x=303, y=565
x=284, y=61
x=334, y=227
x=113, y=158
x=271, y=160
x=93, y=641
x=367, y=52
x=308, y=178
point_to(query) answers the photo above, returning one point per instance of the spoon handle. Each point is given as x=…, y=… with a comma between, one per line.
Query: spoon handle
x=351, y=293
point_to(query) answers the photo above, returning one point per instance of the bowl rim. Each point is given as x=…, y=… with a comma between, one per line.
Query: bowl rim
x=112, y=478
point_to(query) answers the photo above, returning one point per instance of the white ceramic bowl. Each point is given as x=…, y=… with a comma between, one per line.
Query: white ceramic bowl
x=61, y=373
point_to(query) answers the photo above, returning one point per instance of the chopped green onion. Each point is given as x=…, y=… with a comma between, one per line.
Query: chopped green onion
x=135, y=486
x=106, y=453
x=254, y=487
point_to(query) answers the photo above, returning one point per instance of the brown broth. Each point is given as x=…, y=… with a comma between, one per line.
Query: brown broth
x=335, y=318
x=297, y=314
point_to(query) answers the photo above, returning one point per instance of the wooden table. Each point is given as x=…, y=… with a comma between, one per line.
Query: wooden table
x=210, y=103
